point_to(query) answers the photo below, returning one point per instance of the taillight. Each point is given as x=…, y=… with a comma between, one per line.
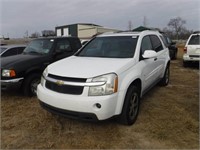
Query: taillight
x=185, y=50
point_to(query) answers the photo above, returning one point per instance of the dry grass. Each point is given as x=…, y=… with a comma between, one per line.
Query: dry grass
x=169, y=118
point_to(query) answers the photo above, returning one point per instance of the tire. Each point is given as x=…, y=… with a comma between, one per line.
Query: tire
x=185, y=64
x=165, y=80
x=174, y=57
x=131, y=106
x=30, y=84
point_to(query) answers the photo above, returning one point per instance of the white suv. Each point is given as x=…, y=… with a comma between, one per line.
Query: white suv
x=192, y=49
x=107, y=77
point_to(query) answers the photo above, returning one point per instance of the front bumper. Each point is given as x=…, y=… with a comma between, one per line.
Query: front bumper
x=187, y=57
x=5, y=84
x=81, y=105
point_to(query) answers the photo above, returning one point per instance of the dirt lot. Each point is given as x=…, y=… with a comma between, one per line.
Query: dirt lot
x=169, y=118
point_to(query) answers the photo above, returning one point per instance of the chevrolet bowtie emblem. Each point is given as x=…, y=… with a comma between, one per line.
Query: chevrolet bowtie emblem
x=59, y=82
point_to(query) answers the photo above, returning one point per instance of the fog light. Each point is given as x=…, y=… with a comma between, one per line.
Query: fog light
x=98, y=105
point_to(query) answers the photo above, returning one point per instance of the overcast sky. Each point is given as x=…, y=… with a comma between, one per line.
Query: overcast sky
x=19, y=16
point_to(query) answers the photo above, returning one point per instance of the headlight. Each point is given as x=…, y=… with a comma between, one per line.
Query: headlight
x=110, y=86
x=8, y=73
x=44, y=74
x=42, y=81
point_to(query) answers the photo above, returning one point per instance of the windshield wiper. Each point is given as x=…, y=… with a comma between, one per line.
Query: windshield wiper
x=33, y=52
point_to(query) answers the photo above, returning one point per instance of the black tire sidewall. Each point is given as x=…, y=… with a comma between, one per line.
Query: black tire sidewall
x=124, y=117
x=27, y=84
x=165, y=81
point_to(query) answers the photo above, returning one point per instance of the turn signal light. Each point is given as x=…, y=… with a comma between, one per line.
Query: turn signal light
x=185, y=50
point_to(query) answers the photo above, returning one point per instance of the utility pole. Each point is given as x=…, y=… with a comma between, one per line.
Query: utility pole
x=145, y=21
x=26, y=34
x=130, y=25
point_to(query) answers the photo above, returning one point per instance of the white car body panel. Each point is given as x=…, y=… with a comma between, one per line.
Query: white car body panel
x=148, y=71
x=86, y=67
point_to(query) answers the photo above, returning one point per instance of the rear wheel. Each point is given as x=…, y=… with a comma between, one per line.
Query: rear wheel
x=131, y=106
x=30, y=84
x=165, y=80
x=185, y=64
x=174, y=55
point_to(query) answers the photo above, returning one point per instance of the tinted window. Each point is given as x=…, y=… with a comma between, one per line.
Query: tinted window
x=157, y=45
x=76, y=44
x=165, y=40
x=194, y=40
x=63, y=45
x=20, y=50
x=146, y=44
x=10, y=52
x=2, y=49
x=111, y=47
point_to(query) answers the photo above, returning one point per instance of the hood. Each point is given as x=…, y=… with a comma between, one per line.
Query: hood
x=88, y=67
x=22, y=59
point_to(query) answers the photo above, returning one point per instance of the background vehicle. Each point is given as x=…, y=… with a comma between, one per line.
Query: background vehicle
x=9, y=50
x=25, y=70
x=192, y=49
x=107, y=77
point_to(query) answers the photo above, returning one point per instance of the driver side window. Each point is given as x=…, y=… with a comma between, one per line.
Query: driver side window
x=146, y=44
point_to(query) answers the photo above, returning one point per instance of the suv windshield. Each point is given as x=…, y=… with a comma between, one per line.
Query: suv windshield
x=110, y=47
x=194, y=40
x=40, y=46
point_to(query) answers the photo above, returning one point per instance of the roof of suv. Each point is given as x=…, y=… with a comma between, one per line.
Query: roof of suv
x=128, y=33
x=55, y=37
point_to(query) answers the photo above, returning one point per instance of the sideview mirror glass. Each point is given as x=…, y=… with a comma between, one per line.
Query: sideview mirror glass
x=149, y=54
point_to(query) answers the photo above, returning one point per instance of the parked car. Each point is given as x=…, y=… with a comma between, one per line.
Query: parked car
x=25, y=70
x=192, y=49
x=107, y=77
x=9, y=50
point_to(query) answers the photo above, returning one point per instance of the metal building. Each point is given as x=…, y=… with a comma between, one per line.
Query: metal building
x=82, y=30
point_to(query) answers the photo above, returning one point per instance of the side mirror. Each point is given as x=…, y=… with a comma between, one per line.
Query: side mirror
x=149, y=54
x=173, y=43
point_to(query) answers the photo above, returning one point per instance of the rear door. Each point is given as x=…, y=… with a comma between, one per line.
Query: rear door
x=193, y=47
x=162, y=54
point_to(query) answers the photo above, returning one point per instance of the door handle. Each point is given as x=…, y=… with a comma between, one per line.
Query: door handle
x=155, y=59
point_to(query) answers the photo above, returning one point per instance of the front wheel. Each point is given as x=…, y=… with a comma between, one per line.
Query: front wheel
x=30, y=85
x=131, y=106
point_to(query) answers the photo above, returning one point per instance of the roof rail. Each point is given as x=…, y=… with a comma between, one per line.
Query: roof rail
x=195, y=32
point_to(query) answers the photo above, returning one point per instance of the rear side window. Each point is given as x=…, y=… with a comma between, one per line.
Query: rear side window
x=165, y=40
x=10, y=52
x=194, y=40
x=20, y=50
x=157, y=45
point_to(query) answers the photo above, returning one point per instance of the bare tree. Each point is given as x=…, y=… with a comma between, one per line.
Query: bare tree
x=47, y=33
x=177, y=25
x=35, y=35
